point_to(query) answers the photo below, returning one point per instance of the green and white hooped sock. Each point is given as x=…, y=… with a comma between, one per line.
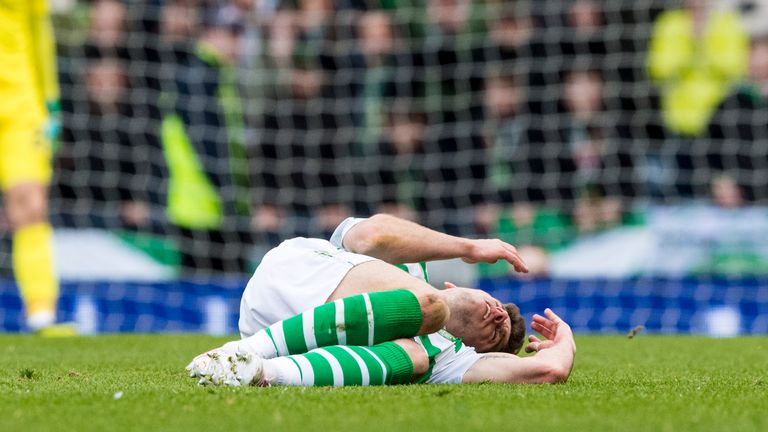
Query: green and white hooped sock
x=385, y=363
x=362, y=320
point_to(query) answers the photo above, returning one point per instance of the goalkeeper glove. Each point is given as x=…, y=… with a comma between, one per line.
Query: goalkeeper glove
x=53, y=124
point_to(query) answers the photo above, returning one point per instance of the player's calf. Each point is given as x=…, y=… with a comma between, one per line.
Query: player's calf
x=397, y=362
x=360, y=320
x=26, y=206
x=416, y=354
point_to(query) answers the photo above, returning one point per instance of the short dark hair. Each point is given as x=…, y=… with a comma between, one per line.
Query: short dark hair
x=225, y=18
x=517, y=329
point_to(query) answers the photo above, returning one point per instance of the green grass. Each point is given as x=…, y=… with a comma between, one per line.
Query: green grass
x=647, y=383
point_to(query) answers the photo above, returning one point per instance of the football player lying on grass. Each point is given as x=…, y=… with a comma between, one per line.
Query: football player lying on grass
x=381, y=256
x=321, y=347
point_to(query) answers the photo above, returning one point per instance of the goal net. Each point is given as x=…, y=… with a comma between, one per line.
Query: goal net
x=201, y=133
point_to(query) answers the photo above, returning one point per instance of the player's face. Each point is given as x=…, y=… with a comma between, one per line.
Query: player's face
x=480, y=321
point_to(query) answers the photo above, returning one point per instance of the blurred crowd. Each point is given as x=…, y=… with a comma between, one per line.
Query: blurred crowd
x=228, y=124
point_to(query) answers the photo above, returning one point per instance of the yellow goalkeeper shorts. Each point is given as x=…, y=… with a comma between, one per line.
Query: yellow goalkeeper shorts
x=25, y=153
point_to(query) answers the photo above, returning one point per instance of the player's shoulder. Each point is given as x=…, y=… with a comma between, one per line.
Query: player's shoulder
x=441, y=341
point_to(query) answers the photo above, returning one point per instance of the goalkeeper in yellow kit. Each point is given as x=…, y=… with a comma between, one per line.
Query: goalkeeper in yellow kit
x=28, y=104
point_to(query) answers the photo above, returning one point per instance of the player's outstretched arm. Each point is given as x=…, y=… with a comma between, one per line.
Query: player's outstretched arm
x=397, y=241
x=551, y=365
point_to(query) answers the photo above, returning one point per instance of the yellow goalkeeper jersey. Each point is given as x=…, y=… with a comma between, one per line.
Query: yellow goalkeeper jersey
x=27, y=80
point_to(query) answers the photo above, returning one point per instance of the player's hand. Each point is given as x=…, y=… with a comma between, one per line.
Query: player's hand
x=535, y=344
x=551, y=327
x=492, y=250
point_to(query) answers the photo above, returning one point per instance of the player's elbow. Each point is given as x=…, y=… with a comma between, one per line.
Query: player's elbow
x=368, y=236
x=554, y=374
x=557, y=376
x=540, y=372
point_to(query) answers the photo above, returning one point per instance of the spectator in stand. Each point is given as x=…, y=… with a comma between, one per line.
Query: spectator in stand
x=165, y=32
x=602, y=173
x=448, y=75
x=574, y=161
x=584, y=130
x=599, y=163
x=738, y=130
x=399, y=164
x=298, y=165
x=510, y=30
x=326, y=36
x=514, y=154
x=106, y=143
x=563, y=32
x=282, y=34
x=505, y=132
x=254, y=13
x=594, y=212
x=178, y=29
x=585, y=17
x=585, y=22
x=726, y=192
x=316, y=27
x=549, y=152
x=449, y=64
x=376, y=38
x=197, y=136
x=107, y=30
x=178, y=22
x=454, y=178
x=391, y=125
x=510, y=33
x=695, y=54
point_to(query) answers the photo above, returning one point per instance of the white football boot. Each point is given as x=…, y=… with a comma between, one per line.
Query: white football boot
x=229, y=367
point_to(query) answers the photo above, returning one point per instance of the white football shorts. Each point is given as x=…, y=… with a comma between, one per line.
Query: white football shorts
x=298, y=275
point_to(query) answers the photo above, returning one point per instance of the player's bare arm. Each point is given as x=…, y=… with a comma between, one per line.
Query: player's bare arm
x=552, y=363
x=396, y=240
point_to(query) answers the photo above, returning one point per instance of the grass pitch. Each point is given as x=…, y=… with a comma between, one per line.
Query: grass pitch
x=137, y=382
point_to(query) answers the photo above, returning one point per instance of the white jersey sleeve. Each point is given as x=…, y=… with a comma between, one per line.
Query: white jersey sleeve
x=449, y=358
x=337, y=238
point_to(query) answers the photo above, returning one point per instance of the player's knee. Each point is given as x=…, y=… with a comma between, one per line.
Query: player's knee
x=417, y=355
x=26, y=205
x=434, y=312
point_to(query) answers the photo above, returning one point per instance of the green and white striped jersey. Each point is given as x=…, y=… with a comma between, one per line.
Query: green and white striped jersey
x=417, y=270
x=449, y=358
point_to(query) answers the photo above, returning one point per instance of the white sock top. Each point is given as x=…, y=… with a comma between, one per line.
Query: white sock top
x=40, y=319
